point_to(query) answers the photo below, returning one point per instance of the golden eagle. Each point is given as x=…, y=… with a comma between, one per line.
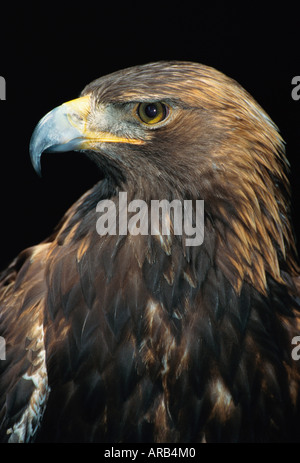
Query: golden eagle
x=140, y=337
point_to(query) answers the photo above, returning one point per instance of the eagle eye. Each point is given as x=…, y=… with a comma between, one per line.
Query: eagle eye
x=152, y=113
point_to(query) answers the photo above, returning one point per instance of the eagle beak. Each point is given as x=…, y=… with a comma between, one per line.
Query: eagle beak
x=62, y=129
x=65, y=128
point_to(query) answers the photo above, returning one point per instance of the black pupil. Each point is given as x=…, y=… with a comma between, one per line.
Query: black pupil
x=151, y=111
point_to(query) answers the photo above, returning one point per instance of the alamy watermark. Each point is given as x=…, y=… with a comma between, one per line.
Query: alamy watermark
x=164, y=217
x=2, y=348
x=296, y=88
x=296, y=350
x=2, y=88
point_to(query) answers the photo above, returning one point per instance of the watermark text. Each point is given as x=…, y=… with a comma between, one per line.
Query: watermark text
x=164, y=218
x=2, y=88
x=296, y=88
x=2, y=348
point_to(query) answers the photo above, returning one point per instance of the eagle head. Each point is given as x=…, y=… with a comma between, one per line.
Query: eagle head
x=186, y=131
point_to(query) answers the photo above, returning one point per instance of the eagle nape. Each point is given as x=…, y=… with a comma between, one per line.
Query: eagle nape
x=132, y=335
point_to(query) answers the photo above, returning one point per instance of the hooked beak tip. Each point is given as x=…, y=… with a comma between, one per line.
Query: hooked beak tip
x=55, y=132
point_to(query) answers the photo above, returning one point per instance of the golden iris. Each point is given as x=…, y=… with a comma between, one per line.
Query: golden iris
x=152, y=113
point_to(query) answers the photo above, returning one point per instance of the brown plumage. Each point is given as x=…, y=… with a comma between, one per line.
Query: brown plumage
x=141, y=338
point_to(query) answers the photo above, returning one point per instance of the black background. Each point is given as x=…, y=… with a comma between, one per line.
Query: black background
x=49, y=52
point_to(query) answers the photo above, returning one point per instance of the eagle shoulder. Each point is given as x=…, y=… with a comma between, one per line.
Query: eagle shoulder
x=24, y=385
